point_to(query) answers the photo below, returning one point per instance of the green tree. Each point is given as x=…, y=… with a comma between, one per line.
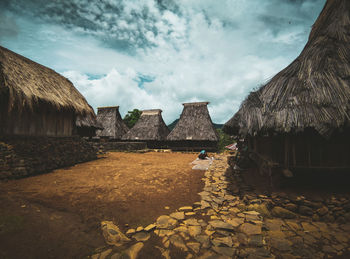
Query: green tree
x=224, y=140
x=132, y=117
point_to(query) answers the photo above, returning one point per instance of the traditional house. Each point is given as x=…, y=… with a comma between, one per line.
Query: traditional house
x=194, y=130
x=113, y=125
x=150, y=128
x=37, y=101
x=300, y=119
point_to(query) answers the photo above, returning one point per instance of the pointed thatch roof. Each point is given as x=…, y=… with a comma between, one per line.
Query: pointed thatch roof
x=150, y=126
x=194, y=124
x=28, y=85
x=113, y=125
x=313, y=91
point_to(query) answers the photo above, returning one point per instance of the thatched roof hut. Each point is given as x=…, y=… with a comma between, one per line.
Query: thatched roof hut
x=194, y=127
x=35, y=100
x=307, y=103
x=111, y=121
x=149, y=127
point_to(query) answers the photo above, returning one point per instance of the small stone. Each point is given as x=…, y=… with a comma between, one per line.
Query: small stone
x=281, y=244
x=242, y=238
x=178, y=215
x=276, y=234
x=163, y=232
x=194, y=230
x=191, y=222
x=304, y=210
x=141, y=236
x=204, y=240
x=133, y=251
x=186, y=208
x=228, y=251
x=273, y=224
x=235, y=222
x=322, y=211
x=167, y=222
x=283, y=213
x=293, y=225
x=150, y=227
x=181, y=229
x=167, y=207
x=190, y=213
x=131, y=231
x=309, y=227
x=195, y=247
x=256, y=240
x=178, y=242
x=219, y=241
x=138, y=229
x=221, y=225
x=204, y=205
x=250, y=229
x=104, y=254
x=291, y=206
x=112, y=234
x=328, y=249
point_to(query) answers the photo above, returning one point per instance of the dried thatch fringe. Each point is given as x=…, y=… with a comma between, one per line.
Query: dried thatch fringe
x=150, y=126
x=313, y=91
x=194, y=124
x=29, y=84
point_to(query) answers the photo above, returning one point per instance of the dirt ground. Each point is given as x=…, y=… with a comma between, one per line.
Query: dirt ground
x=58, y=215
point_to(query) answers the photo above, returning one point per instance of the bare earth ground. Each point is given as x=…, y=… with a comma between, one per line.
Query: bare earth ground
x=58, y=215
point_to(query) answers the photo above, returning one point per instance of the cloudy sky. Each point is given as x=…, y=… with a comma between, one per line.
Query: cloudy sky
x=160, y=53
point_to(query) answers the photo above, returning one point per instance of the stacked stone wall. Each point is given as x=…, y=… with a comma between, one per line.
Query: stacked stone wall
x=26, y=156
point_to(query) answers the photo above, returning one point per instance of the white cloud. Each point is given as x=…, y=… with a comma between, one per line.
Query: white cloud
x=203, y=51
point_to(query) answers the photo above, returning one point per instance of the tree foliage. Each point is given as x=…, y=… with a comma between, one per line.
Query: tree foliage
x=132, y=117
x=224, y=140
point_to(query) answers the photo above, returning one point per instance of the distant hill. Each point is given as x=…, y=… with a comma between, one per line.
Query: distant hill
x=173, y=124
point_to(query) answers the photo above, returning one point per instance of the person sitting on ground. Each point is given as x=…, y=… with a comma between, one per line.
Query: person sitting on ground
x=203, y=155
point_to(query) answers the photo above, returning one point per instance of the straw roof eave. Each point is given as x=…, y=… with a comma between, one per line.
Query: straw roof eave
x=30, y=84
x=313, y=91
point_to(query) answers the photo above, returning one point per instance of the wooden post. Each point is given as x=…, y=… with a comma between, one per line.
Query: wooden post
x=286, y=146
x=309, y=152
x=293, y=149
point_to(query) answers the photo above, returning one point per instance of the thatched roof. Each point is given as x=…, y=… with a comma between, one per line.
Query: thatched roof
x=29, y=85
x=88, y=121
x=194, y=124
x=150, y=126
x=111, y=121
x=313, y=91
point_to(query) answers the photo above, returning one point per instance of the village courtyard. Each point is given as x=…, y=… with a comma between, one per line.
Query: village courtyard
x=154, y=205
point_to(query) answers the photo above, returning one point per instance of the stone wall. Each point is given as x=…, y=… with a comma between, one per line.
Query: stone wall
x=277, y=203
x=118, y=146
x=25, y=156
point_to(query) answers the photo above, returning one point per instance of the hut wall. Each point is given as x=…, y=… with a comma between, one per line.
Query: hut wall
x=104, y=146
x=38, y=123
x=192, y=145
x=306, y=150
x=22, y=156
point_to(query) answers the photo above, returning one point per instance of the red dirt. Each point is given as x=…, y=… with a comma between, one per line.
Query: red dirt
x=58, y=215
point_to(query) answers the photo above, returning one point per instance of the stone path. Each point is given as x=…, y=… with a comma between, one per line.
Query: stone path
x=223, y=225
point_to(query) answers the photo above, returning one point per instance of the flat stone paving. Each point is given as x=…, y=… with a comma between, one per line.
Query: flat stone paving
x=221, y=225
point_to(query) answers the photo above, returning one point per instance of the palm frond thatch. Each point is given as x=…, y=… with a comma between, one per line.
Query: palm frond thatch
x=28, y=84
x=150, y=126
x=313, y=91
x=194, y=124
x=113, y=125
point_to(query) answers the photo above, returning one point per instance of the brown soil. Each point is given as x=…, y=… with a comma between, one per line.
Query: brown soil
x=58, y=215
